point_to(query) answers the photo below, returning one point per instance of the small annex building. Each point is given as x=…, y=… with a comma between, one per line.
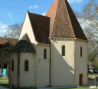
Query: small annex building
x=52, y=50
x=5, y=45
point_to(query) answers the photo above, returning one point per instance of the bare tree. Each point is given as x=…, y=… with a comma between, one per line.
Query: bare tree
x=88, y=18
x=14, y=31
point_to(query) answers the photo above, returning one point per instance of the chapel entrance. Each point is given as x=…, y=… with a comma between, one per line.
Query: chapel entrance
x=80, y=79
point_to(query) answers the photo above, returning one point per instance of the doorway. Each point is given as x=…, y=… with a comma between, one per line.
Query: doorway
x=80, y=79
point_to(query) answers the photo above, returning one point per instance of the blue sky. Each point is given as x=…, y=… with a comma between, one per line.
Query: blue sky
x=13, y=11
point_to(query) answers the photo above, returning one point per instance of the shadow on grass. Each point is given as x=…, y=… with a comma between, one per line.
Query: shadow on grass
x=27, y=88
x=5, y=85
x=77, y=88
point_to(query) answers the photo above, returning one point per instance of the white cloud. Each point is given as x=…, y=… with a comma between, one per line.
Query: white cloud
x=44, y=13
x=35, y=6
x=10, y=15
x=75, y=1
x=3, y=26
x=3, y=29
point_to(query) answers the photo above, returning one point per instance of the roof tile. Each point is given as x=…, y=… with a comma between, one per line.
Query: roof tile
x=40, y=26
x=63, y=22
x=11, y=40
x=23, y=46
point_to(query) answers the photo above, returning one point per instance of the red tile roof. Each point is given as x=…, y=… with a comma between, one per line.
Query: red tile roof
x=23, y=46
x=63, y=22
x=52, y=14
x=12, y=40
x=40, y=26
x=59, y=21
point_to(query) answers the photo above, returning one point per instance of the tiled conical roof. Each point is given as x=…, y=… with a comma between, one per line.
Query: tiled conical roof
x=23, y=46
x=63, y=22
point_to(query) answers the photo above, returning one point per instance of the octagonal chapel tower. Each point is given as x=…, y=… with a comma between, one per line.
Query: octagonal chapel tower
x=69, y=46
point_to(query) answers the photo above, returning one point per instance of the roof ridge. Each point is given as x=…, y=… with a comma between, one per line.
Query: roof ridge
x=70, y=11
x=31, y=24
x=53, y=7
x=49, y=8
x=59, y=21
x=55, y=17
x=39, y=15
x=69, y=16
x=40, y=23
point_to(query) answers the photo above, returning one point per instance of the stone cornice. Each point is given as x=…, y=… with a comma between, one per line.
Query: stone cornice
x=67, y=39
x=42, y=44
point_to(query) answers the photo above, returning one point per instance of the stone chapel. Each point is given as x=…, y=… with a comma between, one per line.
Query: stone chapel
x=52, y=50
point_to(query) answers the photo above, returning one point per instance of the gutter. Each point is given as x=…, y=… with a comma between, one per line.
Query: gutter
x=18, y=71
x=50, y=68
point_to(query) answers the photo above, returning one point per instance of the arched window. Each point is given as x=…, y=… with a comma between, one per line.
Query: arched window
x=63, y=50
x=12, y=65
x=26, y=65
x=80, y=51
x=45, y=54
x=5, y=66
x=0, y=66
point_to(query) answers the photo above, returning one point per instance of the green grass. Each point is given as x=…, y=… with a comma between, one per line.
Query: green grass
x=26, y=88
x=63, y=88
x=78, y=88
x=92, y=75
x=4, y=82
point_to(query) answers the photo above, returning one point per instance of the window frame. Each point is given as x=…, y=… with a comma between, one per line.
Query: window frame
x=81, y=51
x=26, y=66
x=45, y=53
x=5, y=65
x=0, y=66
x=63, y=50
x=12, y=65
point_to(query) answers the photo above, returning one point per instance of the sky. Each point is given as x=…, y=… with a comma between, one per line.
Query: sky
x=13, y=11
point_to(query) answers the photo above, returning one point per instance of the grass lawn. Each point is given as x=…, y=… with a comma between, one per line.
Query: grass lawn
x=78, y=88
x=26, y=88
x=92, y=75
x=4, y=82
